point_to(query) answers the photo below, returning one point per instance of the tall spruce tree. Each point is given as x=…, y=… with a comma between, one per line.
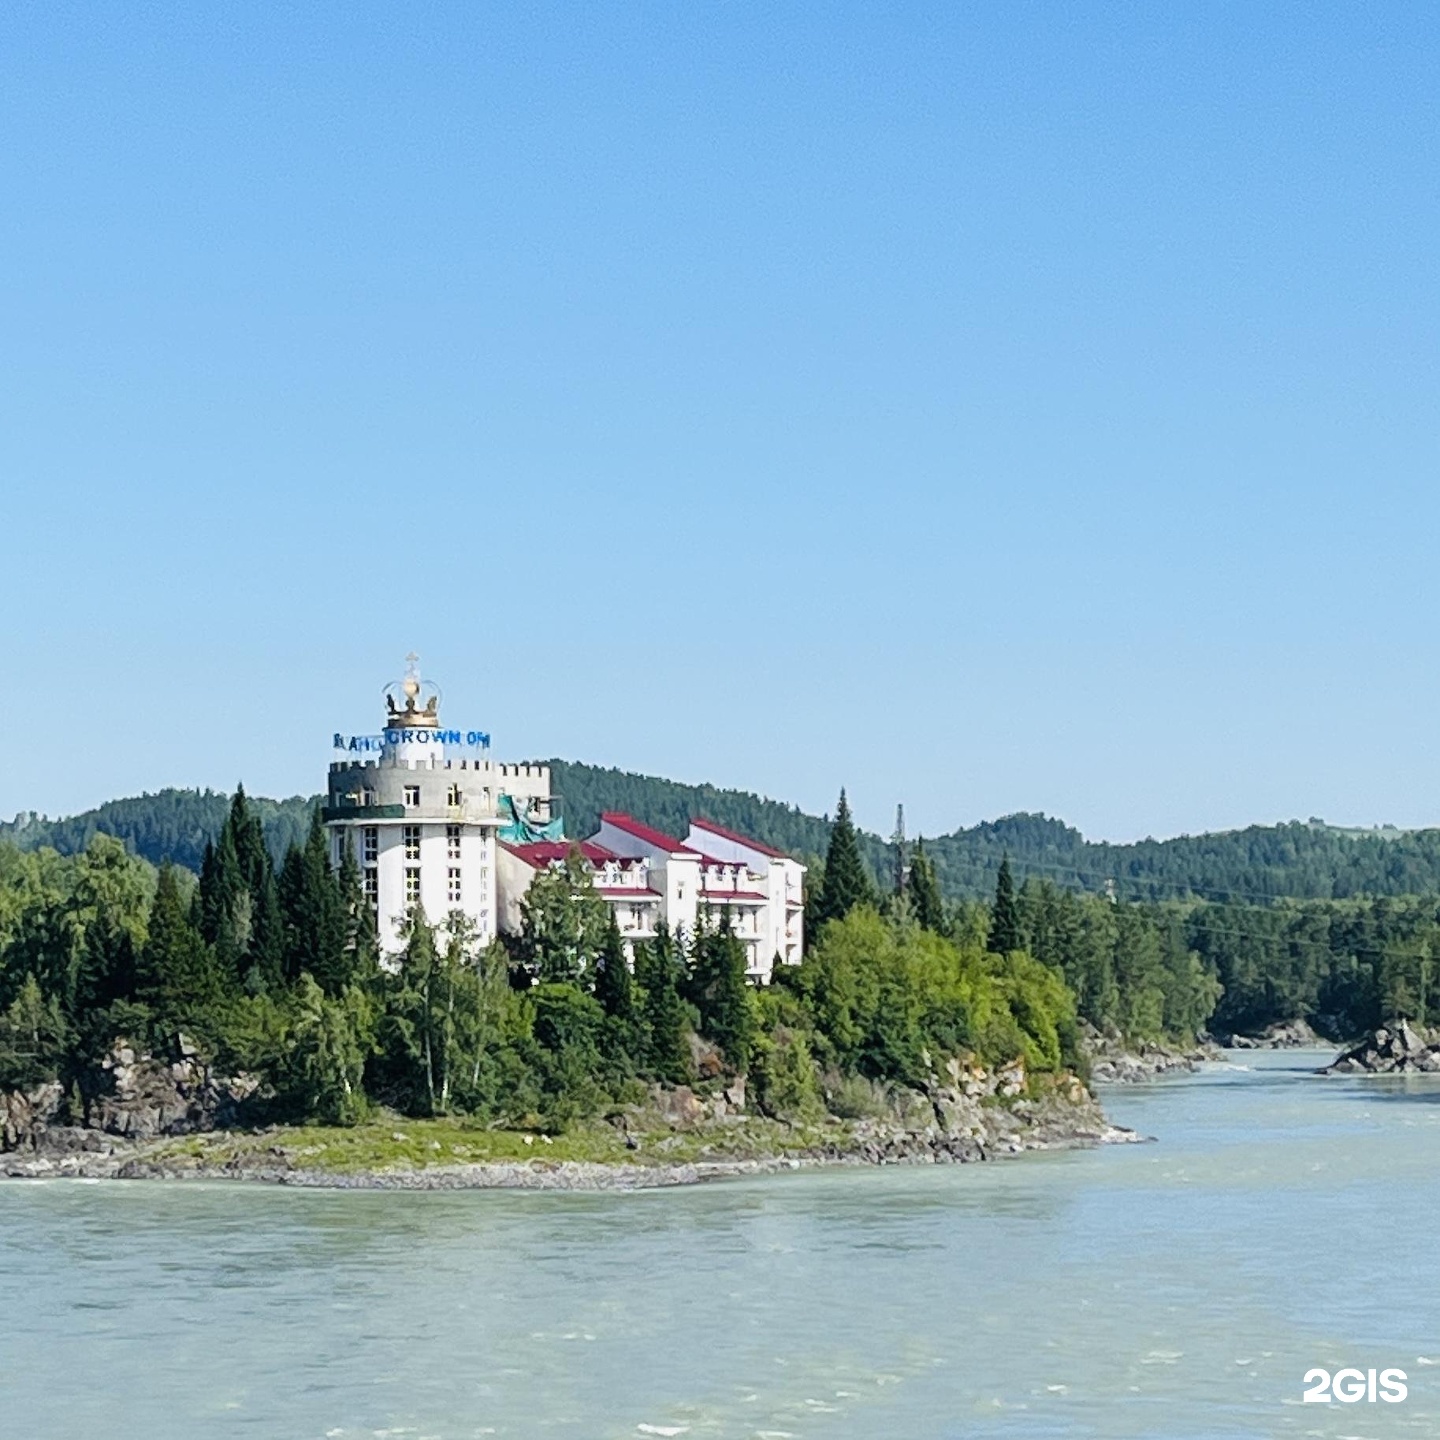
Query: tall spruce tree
x=847, y=882
x=237, y=905
x=313, y=911
x=265, y=957
x=717, y=989
x=923, y=889
x=248, y=837
x=612, y=976
x=221, y=887
x=662, y=1012
x=1005, y=913
x=179, y=977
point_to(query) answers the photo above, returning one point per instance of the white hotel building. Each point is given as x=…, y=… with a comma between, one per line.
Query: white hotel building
x=650, y=878
x=422, y=812
x=431, y=819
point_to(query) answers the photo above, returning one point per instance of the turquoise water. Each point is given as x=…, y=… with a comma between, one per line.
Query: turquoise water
x=1180, y=1289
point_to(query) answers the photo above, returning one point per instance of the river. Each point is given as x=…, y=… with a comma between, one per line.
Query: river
x=1181, y=1289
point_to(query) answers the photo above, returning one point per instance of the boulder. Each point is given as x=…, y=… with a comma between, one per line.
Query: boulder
x=1011, y=1079
x=26, y=1115
x=141, y=1097
x=1390, y=1050
x=1406, y=1040
x=679, y=1106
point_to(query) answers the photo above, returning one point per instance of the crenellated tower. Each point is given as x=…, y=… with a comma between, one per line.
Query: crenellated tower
x=420, y=805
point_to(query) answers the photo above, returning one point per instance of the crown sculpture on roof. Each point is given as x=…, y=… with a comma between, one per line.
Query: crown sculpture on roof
x=412, y=702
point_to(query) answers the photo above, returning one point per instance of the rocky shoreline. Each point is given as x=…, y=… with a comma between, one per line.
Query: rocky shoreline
x=146, y=1132
x=1284, y=1035
x=128, y=1160
x=1116, y=1062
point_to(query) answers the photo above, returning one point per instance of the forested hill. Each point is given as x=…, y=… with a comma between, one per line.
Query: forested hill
x=168, y=825
x=1297, y=860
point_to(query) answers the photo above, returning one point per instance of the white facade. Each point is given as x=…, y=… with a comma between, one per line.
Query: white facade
x=674, y=870
x=739, y=864
x=422, y=816
x=421, y=821
x=649, y=878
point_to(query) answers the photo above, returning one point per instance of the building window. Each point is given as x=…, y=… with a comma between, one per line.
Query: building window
x=452, y=889
x=452, y=842
x=412, y=886
x=484, y=874
x=412, y=842
x=370, y=843
x=367, y=797
x=453, y=798
x=372, y=885
x=412, y=795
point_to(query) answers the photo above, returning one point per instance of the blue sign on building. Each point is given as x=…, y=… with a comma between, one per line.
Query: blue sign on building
x=416, y=735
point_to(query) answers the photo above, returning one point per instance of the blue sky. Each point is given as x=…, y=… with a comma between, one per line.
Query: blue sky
x=986, y=407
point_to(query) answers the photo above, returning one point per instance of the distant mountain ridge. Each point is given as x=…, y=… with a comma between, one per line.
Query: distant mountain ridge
x=171, y=824
x=1297, y=860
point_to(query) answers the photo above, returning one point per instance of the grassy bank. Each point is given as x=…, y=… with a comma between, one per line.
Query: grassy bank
x=395, y=1145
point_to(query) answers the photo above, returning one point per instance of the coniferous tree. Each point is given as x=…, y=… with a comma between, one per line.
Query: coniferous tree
x=312, y=908
x=612, y=976
x=265, y=959
x=1005, y=915
x=248, y=838
x=179, y=976
x=220, y=886
x=717, y=989
x=662, y=1012
x=847, y=882
x=202, y=902
x=359, y=945
x=237, y=907
x=814, y=891
x=923, y=889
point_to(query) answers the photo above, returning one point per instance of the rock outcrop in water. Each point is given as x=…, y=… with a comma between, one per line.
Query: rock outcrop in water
x=1397, y=1049
x=1283, y=1035
x=1114, y=1060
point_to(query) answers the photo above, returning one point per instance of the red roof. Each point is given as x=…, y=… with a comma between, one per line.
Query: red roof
x=734, y=895
x=630, y=892
x=650, y=836
x=715, y=829
x=548, y=852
